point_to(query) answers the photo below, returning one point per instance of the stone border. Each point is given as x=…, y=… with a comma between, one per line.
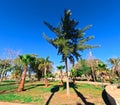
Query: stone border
x=113, y=94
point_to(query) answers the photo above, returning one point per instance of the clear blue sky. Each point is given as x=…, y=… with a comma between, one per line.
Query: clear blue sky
x=21, y=25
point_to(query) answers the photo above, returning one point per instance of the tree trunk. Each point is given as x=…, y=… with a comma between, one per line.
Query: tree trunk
x=2, y=75
x=22, y=82
x=67, y=78
x=29, y=74
x=3, y=72
x=93, y=74
x=113, y=71
x=39, y=75
x=46, y=82
x=61, y=78
x=45, y=70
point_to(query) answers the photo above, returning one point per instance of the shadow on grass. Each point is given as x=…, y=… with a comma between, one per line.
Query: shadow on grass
x=7, y=91
x=53, y=91
x=32, y=86
x=105, y=98
x=80, y=95
x=14, y=89
x=7, y=84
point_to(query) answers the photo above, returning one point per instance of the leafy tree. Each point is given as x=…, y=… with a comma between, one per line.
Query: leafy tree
x=5, y=66
x=27, y=59
x=93, y=64
x=102, y=70
x=81, y=68
x=69, y=40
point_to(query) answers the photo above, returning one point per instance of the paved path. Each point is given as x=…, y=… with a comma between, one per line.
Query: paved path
x=8, y=103
x=94, y=83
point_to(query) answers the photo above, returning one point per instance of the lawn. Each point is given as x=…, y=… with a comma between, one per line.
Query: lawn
x=37, y=94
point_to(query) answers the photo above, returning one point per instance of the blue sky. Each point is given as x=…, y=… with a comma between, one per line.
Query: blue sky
x=21, y=25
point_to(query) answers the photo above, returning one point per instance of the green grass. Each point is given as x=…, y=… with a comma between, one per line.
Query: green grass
x=38, y=94
x=11, y=97
x=89, y=86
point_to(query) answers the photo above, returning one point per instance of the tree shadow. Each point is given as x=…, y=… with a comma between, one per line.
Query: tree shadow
x=7, y=91
x=80, y=95
x=53, y=91
x=15, y=88
x=71, y=85
x=83, y=98
x=32, y=86
x=105, y=98
x=7, y=84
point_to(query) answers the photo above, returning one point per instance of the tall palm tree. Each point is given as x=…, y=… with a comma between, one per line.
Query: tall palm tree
x=60, y=68
x=69, y=40
x=26, y=59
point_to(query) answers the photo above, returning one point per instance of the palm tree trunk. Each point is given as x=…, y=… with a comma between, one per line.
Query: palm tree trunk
x=113, y=70
x=67, y=79
x=61, y=79
x=46, y=80
x=21, y=86
x=45, y=71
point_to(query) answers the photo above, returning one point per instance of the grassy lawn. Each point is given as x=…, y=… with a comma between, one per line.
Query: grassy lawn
x=37, y=94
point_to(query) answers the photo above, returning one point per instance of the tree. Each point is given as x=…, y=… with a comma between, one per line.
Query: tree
x=102, y=70
x=115, y=62
x=81, y=68
x=7, y=62
x=26, y=59
x=69, y=41
x=60, y=68
x=46, y=65
x=36, y=69
x=5, y=66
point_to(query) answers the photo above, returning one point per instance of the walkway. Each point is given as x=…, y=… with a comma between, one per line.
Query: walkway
x=8, y=103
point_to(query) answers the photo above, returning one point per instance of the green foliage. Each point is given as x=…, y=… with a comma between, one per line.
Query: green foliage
x=81, y=68
x=27, y=58
x=61, y=67
x=44, y=63
x=48, y=75
x=84, y=70
x=5, y=65
x=69, y=40
x=74, y=73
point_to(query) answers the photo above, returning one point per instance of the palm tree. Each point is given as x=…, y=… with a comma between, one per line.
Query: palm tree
x=26, y=59
x=69, y=40
x=45, y=65
x=115, y=64
x=18, y=69
x=60, y=68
